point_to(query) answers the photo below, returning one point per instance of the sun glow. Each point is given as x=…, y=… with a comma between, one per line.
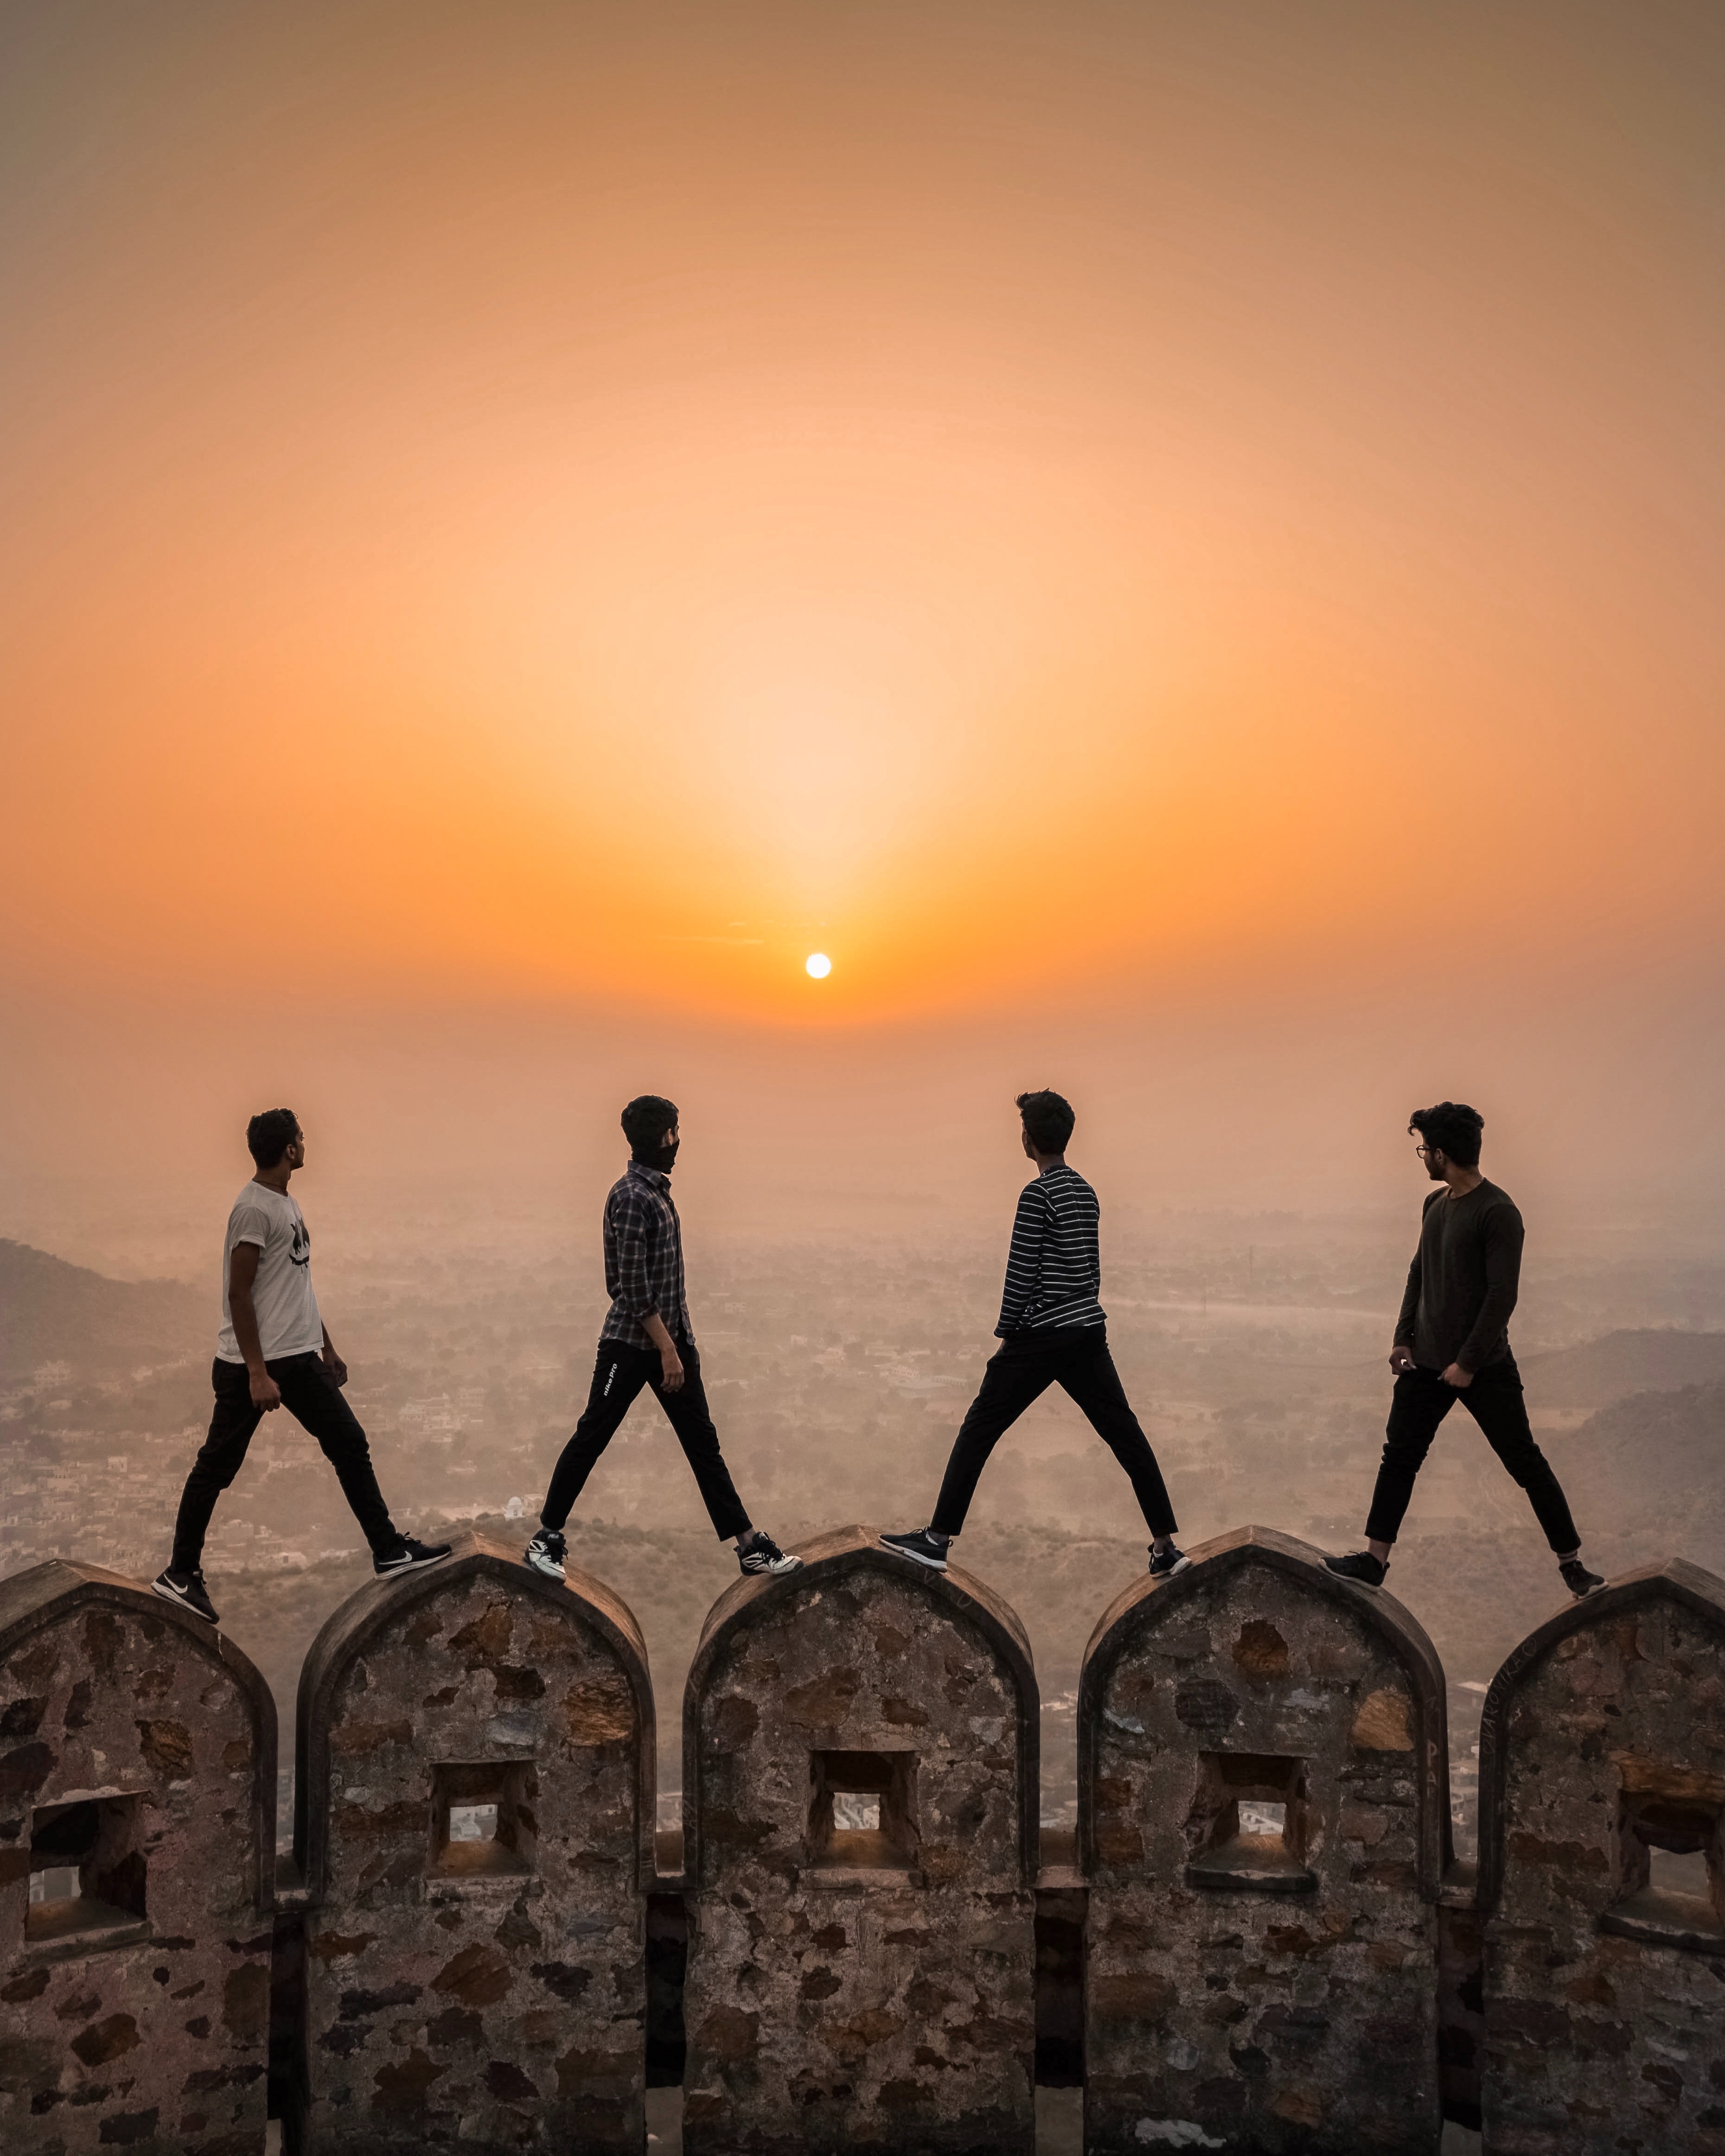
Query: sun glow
x=816, y=965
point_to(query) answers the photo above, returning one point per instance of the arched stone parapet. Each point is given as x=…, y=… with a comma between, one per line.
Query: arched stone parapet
x=860, y=1794
x=1602, y=1875
x=1262, y=1794
x=137, y=1834
x=473, y=1819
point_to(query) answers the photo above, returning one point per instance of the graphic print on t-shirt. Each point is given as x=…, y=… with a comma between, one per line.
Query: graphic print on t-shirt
x=282, y=1293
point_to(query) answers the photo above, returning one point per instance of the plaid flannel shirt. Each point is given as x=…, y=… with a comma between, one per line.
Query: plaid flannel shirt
x=643, y=1259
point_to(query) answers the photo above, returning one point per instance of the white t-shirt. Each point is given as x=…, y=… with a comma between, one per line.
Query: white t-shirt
x=282, y=1294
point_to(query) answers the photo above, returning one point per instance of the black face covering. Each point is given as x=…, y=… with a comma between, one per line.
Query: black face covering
x=662, y=1156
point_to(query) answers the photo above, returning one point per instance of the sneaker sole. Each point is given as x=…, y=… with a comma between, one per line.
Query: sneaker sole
x=1173, y=1571
x=914, y=1557
x=411, y=1564
x=772, y=1572
x=545, y=1571
x=1347, y=1579
x=180, y=1602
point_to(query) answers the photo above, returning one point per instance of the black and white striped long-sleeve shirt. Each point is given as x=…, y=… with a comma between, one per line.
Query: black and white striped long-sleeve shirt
x=1054, y=1270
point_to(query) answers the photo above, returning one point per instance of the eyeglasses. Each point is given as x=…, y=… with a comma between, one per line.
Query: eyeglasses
x=1426, y=1153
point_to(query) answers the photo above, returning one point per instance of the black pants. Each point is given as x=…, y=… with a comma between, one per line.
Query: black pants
x=314, y=1400
x=1494, y=1400
x=1076, y=1357
x=619, y=1375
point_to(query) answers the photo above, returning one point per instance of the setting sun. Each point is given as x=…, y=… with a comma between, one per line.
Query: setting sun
x=816, y=965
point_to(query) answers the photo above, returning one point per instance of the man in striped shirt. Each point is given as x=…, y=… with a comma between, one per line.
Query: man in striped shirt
x=1055, y=1332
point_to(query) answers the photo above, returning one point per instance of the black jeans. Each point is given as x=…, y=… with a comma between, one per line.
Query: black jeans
x=618, y=1374
x=1076, y=1357
x=314, y=1400
x=1494, y=1400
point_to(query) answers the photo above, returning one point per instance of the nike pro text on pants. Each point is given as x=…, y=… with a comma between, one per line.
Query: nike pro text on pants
x=619, y=1375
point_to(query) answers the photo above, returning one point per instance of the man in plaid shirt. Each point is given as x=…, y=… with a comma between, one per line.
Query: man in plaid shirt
x=647, y=1340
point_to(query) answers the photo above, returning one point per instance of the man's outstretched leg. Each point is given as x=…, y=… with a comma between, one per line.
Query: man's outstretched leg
x=1497, y=1404
x=1093, y=1385
x=618, y=1374
x=686, y=1411
x=1052, y=1328
x=1011, y=1381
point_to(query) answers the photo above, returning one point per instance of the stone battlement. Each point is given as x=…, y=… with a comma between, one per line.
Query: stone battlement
x=1261, y=1941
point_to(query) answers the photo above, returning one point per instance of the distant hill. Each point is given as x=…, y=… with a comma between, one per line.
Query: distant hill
x=1619, y=1363
x=1651, y=1470
x=51, y=1311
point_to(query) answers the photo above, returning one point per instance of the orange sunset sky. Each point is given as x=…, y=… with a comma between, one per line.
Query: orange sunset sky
x=1105, y=519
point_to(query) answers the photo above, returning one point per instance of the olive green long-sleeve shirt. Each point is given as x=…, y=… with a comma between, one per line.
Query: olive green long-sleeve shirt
x=1463, y=1282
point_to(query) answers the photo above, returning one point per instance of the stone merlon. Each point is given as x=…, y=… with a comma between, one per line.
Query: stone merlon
x=1262, y=1945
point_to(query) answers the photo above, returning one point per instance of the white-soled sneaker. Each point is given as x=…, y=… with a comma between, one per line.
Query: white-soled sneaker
x=188, y=1589
x=764, y=1555
x=1164, y=1563
x=406, y=1555
x=547, y=1552
x=921, y=1547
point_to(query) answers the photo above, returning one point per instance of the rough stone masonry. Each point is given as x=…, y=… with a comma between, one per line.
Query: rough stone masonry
x=1267, y=1949
x=137, y=1786
x=474, y=1826
x=860, y=1805
x=1263, y=1821
x=1602, y=1752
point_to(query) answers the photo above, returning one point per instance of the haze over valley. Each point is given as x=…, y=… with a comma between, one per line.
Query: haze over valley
x=838, y=1370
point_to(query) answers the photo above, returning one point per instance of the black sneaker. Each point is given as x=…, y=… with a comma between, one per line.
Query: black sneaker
x=186, y=1589
x=406, y=1555
x=1363, y=1568
x=764, y=1555
x=920, y=1548
x=1164, y=1563
x=546, y=1551
x=1580, y=1582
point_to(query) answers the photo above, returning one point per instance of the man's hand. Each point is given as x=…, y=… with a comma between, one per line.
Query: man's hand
x=671, y=1363
x=334, y=1364
x=1457, y=1376
x=1401, y=1358
x=266, y=1393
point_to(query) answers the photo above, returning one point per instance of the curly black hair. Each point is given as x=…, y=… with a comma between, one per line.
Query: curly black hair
x=1453, y=1129
x=1048, y=1121
x=268, y=1135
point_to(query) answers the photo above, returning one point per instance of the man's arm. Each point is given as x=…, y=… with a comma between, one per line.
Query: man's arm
x=331, y=1360
x=633, y=1227
x=1029, y=1225
x=1401, y=1350
x=671, y=1363
x=1503, y=1234
x=242, y=1272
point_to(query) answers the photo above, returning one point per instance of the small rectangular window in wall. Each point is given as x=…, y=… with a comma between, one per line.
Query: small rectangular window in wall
x=88, y=1873
x=1670, y=1859
x=1246, y=1832
x=862, y=1810
x=482, y=1819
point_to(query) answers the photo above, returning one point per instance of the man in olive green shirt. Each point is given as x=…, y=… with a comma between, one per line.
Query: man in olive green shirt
x=1452, y=1342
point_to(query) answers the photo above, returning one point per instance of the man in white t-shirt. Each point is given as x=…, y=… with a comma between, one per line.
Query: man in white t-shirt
x=273, y=1350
